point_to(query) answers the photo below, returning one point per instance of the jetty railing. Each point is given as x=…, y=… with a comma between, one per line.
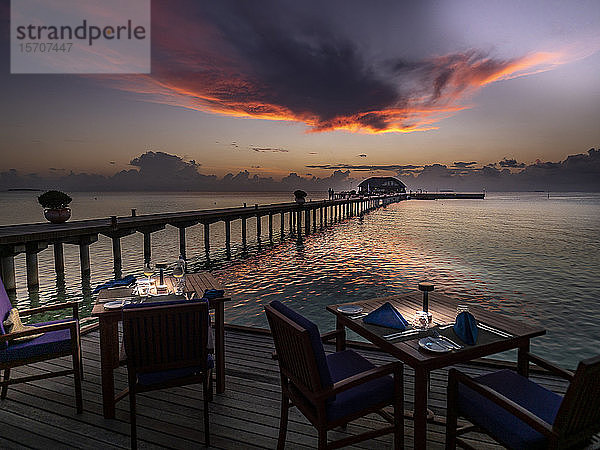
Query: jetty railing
x=31, y=239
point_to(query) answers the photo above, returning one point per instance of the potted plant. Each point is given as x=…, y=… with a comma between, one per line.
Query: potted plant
x=56, y=206
x=300, y=196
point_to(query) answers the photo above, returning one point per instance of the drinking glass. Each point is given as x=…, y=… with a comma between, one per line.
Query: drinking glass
x=148, y=269
x=178, y=273
x=422, y=320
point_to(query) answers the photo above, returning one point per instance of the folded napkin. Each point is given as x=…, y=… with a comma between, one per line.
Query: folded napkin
x=125, y=281
x=465, y=328
x=386, y=316
x=210, y=294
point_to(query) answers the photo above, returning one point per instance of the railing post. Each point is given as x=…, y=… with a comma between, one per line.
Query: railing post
x=59, y=260
x=228, y=239
x=307, y=221
x=117, y=262
x=207, y=240
x=271, y=227
x=31, y=261
x=148, y=245
x=258, y=227
x=281, y=225
x=321, y=217
x=299, y=223
x=84, y=260
x=182, y=249
x=244, y=247
x=8, y=270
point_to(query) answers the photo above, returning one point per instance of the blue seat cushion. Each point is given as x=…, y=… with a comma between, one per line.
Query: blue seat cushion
x=51, y=342
x=164, y=376
x=502, y=425
x=346, y=364
x=315, y=340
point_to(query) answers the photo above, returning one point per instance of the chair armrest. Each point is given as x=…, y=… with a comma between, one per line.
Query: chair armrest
x=517, y=410
x=330, y=335
x=395, y=368
x=55, y=307
x=70, y=324
x=545, y=364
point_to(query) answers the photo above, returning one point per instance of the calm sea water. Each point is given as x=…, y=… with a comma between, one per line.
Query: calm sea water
x=521, y=254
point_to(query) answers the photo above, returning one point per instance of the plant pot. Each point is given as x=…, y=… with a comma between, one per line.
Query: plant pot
x=300, y=200
x=59, y=215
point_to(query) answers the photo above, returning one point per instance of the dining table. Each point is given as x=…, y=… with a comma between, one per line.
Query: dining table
x=111, y=356
x=496, y=333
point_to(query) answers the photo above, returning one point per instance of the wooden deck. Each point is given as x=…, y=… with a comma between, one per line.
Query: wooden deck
x=42, y=414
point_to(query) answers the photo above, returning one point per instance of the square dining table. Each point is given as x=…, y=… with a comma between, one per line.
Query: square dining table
x=108, y=323
x=508, y=334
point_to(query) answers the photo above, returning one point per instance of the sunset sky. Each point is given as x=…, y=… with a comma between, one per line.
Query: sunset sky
x=274, y=87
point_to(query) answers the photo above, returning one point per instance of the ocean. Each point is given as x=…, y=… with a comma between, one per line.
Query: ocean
x=527, y=255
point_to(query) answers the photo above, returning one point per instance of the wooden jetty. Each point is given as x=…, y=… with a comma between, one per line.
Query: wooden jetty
x=31, y=239
x=41, y=414
x=445, y=196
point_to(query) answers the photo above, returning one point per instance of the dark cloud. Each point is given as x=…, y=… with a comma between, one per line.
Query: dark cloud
x=464, y=164
x=233, y=58
x=511, y=163
x=160, y=171
x=363, y=167
x=269, y=149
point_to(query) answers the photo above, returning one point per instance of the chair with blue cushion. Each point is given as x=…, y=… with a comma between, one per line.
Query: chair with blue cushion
x=331, y=390
x=60, y=338
x=167, y=346
x=521, y=414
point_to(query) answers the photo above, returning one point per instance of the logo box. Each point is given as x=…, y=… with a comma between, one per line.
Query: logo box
x=80, y=36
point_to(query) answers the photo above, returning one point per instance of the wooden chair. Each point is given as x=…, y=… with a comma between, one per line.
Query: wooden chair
x=519, y=413
x=331, y=390
x=60, y=338
x=166, y=346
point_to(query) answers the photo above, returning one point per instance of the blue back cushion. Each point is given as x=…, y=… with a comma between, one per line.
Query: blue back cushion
x=501, y=424
x=5, y=306
x=315, y=340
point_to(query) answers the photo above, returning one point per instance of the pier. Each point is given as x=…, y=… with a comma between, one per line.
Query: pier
x=445, y=196
x=302, y=219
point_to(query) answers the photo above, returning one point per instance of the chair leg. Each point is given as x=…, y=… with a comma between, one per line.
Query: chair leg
x=210, y=386
x=398, y=410
x=5, y=386
x=77, y=379
x=283, y=421
x=80, y=360
x=451, y=412
x=205, y=385
x=132, y=420
x=322, y=439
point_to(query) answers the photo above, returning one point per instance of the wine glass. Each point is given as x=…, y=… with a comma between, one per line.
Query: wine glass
x=178, y=273
x=148, y=269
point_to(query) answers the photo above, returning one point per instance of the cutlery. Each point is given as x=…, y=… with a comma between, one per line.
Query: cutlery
x=501, y=333
x=358, y=316
x=400, y=334
x=448, y=341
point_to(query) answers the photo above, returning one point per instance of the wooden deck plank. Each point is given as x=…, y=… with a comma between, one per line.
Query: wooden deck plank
x=41, y=414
